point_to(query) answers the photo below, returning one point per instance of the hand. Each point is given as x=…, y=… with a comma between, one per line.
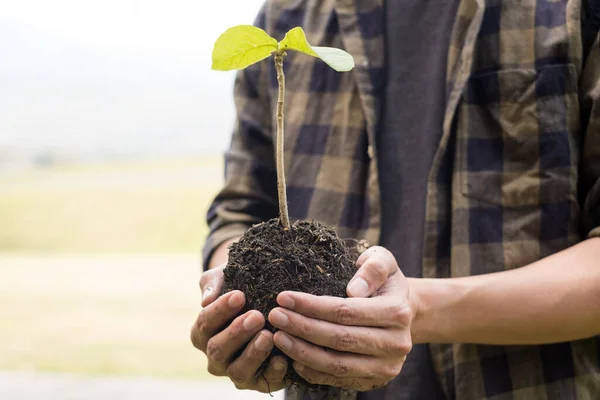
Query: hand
x=369, y=338
x=221, y=343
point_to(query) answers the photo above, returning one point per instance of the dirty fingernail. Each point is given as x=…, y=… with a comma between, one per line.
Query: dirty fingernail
x=284, y=341
x=262, y=343
x=278, y=318
x=207, y=292
x=298, y=367
x=251, y=323
x=358, y=288
x=286, y=301
x=236, y=300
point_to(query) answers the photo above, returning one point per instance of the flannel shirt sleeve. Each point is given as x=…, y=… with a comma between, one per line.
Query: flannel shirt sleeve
x=590, y=161
x=249, y=195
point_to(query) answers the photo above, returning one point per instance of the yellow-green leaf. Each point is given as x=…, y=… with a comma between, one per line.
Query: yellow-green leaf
x=241, y=46
x=337, y=59
x=295, y=39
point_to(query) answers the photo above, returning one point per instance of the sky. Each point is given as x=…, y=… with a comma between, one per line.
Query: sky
x=115, y=77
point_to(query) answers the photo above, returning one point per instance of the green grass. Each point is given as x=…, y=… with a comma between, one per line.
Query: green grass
x=99, y=267
x=100, y=315
x=108, y=208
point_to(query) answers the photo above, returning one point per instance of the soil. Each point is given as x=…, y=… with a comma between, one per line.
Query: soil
x=309, y=257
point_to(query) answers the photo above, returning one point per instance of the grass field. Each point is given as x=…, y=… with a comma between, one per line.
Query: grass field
x=108, y=208
x=108, y=315
x=99, y=267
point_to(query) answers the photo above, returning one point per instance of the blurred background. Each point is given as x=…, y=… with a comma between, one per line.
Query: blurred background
x=112, y=127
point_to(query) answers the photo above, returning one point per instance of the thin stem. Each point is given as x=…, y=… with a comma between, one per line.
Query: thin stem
x=283, y=206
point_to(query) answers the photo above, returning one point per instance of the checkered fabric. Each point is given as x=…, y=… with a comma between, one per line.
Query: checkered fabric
x=516, y=176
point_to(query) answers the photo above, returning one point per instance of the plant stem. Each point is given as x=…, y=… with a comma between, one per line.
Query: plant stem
x=283, y=206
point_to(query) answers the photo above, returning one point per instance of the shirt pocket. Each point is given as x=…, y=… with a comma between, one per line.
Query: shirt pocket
x=517, y=135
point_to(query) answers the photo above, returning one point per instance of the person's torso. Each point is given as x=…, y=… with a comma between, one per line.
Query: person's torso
x=502, y=189
x=407, y=138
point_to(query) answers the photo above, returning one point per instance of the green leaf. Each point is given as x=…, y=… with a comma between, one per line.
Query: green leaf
x=295, y=39
x=241, y=46
x=337, y=59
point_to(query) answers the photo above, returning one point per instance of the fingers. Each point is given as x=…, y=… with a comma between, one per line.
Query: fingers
x=242, y=370
x=374, y=312
x=321, y=378
x=213, y=317
x=210, y=285
x=331, y=361
x=354, y=339
x=271, y=379
x=222, y=347
x=275, y=373
x=375, y=266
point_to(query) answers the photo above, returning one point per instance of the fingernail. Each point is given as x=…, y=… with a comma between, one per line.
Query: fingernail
x=358, y=288
x=207, y=292
x=262, y=343
x=278, y=365
x=278, y=318
x=236, y=300
x=298, y=367
x=285, y=301
x=283, y=341
x=251, y=323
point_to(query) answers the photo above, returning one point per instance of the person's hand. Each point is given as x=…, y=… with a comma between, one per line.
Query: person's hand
x=367, y=338
x=222, y=343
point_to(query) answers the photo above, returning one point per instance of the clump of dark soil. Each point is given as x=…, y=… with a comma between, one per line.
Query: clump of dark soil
x=267, y=260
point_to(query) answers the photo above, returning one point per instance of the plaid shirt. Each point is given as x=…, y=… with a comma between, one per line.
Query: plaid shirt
x=516, y=176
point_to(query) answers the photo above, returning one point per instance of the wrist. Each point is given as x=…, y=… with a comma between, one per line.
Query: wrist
x=415, y=294
x=435, y=303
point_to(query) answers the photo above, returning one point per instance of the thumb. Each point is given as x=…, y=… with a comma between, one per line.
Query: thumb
x=211, y=282
x=375, y=266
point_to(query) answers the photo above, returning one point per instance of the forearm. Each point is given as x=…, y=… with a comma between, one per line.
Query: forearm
x=552, y=300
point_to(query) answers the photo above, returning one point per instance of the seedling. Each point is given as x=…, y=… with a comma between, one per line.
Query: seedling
x=244, y=45
x=275, y=256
